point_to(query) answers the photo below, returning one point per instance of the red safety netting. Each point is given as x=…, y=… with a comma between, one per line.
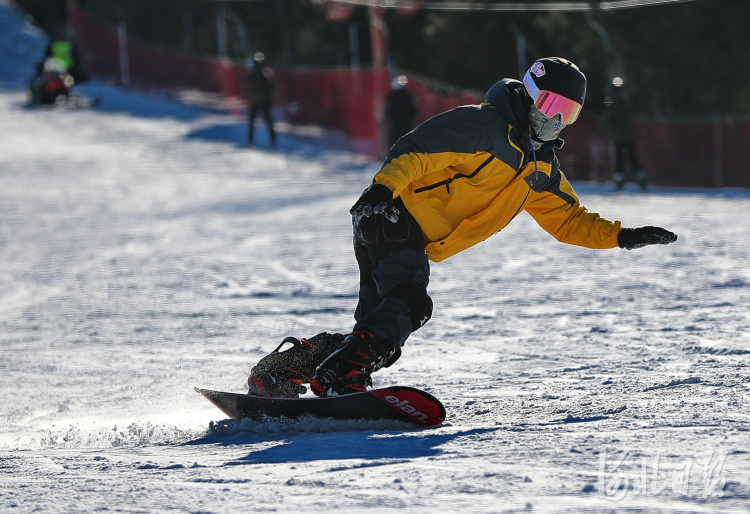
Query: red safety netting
x=431, y=103
x=99, y=47
x=687, y=153
x=337, y=99
x=695, y=153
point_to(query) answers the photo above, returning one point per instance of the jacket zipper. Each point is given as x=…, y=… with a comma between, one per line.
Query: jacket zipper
x=447, y=182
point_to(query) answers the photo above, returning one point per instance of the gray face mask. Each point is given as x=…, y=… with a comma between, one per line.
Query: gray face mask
x=544, y=128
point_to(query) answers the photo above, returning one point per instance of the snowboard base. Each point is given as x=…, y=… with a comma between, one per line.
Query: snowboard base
x=396, y=403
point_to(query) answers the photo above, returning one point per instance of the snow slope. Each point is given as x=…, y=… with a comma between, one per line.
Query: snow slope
x=144, y=251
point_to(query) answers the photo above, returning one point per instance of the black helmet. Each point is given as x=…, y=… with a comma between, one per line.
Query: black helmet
x=556, y=75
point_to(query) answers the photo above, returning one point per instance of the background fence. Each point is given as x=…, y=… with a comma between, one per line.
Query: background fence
x=691, y=152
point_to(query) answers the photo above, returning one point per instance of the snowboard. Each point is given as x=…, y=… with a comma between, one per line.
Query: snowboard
x=396, y=403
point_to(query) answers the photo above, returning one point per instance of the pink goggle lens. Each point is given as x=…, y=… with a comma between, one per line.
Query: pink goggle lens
x=550, y=103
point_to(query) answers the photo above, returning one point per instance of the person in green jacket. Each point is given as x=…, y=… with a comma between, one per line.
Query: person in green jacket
x=63, y=50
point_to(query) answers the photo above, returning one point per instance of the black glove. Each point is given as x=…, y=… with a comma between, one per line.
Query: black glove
x=631, y=238
x=376, y=199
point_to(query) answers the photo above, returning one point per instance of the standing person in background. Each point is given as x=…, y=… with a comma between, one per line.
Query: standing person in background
x=259, y=92
x=401, y=109
x=618, y=119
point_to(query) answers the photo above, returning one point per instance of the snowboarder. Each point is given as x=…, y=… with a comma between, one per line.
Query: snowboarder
x=56, y=75
x=454, y=181
x=51, y=83
x=259, y=92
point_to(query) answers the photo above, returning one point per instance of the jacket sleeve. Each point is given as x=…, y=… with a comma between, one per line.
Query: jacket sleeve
x=558, y=211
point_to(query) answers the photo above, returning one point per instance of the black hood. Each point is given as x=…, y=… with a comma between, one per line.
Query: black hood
x=505, y=96
x=509, y=97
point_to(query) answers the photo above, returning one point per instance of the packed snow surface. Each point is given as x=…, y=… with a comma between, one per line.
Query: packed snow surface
x=144, y=250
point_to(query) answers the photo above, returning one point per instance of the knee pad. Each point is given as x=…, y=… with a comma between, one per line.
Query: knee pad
x=416, y=298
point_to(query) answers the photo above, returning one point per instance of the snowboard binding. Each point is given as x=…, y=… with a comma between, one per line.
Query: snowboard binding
x=350, y=368
x=283, y=373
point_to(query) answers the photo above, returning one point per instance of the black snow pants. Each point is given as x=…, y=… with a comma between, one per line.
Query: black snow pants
x=393, y=275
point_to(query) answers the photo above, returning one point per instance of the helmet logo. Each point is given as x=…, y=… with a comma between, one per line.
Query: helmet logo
x=538, y=69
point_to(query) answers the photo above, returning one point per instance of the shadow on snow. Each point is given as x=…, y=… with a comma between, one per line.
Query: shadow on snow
x=368, y=445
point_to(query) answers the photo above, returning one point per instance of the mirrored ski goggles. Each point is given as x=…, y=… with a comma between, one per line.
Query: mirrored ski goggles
x=550, y=103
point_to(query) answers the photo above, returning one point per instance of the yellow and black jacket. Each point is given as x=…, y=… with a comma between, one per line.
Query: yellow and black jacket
x=466, y=173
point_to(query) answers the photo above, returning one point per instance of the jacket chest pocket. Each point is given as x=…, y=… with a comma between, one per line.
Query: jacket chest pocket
x=447, y=182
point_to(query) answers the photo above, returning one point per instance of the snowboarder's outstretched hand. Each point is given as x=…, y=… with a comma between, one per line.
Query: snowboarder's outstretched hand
x=376, y=199
x=632, y=238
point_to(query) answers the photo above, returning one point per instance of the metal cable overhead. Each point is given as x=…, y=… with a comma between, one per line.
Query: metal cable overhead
x=510, y=6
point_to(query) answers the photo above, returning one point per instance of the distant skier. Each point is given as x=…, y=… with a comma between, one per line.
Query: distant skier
x=259, y=92
x=400, y=110
x=618, y=118
x=454, y=181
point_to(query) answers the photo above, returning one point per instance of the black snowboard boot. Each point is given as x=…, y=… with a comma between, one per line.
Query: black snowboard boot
x=282, y=373
x=349, y=369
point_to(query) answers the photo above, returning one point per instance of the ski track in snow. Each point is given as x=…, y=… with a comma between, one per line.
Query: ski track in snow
x=142, y=255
